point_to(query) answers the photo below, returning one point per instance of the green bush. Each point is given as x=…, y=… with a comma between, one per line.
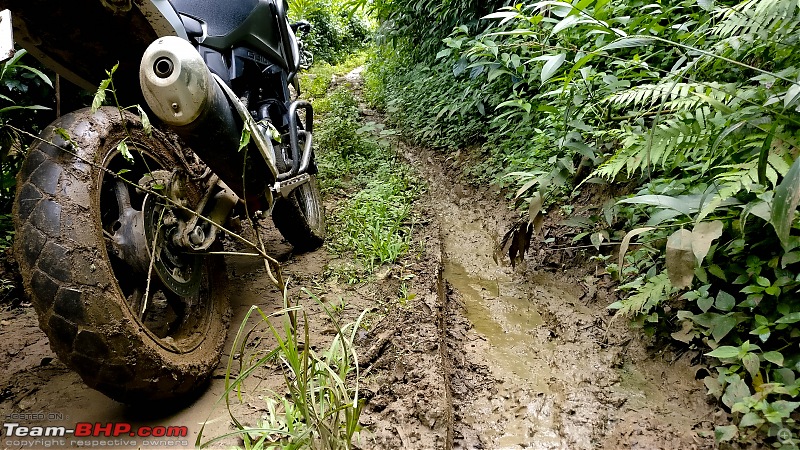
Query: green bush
x=336, y=32
x=695, y=102
x=373, y=219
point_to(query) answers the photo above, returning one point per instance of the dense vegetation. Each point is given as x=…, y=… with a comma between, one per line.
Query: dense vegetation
x=693, y=103
x=337, y=31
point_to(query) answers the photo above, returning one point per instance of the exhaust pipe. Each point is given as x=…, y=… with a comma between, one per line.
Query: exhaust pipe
x=181, y=92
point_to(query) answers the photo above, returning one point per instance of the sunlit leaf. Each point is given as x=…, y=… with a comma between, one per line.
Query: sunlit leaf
x=554, y=62
x=784, y=203
x=707, y=5
x=244, y=139
x=623, y=248
x=751, y=363
x=38, y=73
x=146, y=126
x=725, y=433
x=122, y=147
x=774, y=357
x=702, y=236
x=725, y=302
x=100, y=95
x=627, y=42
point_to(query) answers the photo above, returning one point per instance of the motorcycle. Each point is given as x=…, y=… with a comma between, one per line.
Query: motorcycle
x=118, y=221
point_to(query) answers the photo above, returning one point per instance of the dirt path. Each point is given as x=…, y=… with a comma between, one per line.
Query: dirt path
x=478, y=356
x=537, y=362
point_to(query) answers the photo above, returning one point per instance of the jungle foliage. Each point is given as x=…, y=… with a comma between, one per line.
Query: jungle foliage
x=692, y=102
x=337, y=31
x=24, y=91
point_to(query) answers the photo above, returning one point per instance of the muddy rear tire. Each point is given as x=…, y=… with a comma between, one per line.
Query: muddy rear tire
x=82, y=295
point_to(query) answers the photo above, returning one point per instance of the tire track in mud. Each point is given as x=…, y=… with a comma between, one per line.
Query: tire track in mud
x=531, y=357
x=532, y=361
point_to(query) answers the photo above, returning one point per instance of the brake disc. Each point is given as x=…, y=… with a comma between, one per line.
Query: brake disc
x=179, y=270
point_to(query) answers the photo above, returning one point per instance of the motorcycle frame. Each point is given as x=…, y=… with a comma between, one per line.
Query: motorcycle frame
x=275, y=77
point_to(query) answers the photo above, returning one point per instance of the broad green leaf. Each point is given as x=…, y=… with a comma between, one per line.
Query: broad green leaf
x=497, y=72
x=724, y=352
x=554, y=62
x=784, y=408
x=784, y=203
x=705, y=303
x=725, y=302
x=526, y=187
x=751, y=363
x=725, y=433
x=789, y=318
x=721, y=326
x=623, y=248
x=718, y=272
x=501, y=15
x=565, y=23
x=774, y=291
x=792, y=94
x=444, y=53
x=663, y=201
x=38, y=73
x=627, y=42
x=789, y=258
x=774, y=357
x=702, y=236
x=680, y=259
x=751, y=419
x=244, y=139
x=16, y=107
x=707, y=5
x=736, y=391
x=100, y=95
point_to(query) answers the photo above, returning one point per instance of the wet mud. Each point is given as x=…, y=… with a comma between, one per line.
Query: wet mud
x=481, y=356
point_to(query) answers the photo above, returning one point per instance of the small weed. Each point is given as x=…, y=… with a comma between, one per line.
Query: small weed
x=374, y=222
x=321, y=405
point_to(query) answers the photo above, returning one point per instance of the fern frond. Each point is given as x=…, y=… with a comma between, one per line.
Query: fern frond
x=759, y=18
x=647, y=297
x=678, y=96
x=679, y=138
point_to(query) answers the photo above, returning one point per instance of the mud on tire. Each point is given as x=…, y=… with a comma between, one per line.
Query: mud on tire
x=72, y=282
x=301, y=217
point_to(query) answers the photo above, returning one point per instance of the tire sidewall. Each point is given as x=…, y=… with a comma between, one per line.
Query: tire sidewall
x=71, y=282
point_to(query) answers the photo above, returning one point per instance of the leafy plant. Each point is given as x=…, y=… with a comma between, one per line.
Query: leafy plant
x=374, y=222
x=321, y=405
x=24, y=90
x=337, y=31
x=692, y=103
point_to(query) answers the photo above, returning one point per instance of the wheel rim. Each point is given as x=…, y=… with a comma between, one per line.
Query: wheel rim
x=178, y=323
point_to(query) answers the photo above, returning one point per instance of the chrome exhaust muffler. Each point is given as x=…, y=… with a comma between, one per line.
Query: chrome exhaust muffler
x=182, y=93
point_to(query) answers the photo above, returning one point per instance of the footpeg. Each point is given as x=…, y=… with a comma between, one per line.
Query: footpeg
x=284, y=188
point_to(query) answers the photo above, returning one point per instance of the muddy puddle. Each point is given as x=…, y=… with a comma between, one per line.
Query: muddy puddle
x=501, y=314
x=538, y=364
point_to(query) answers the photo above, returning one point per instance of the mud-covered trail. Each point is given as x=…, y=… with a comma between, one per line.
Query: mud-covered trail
x=481, y=356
